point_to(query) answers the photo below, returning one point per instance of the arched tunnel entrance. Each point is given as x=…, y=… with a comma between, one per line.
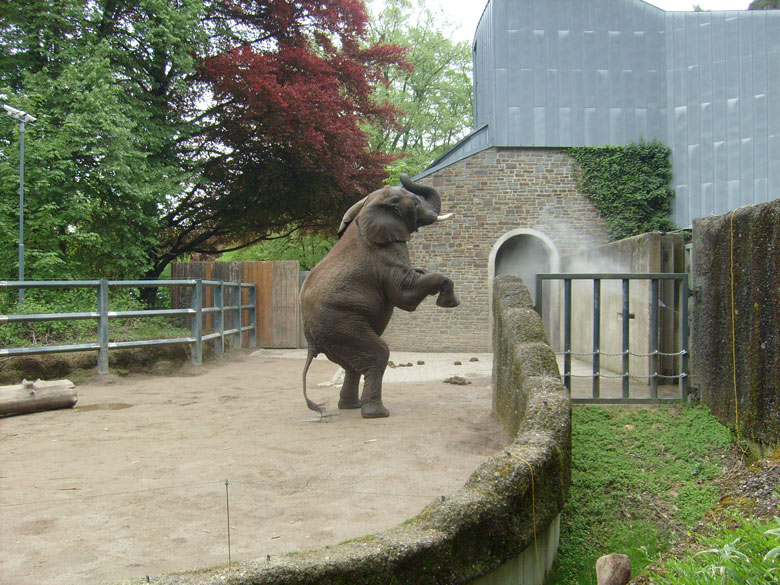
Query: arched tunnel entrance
x=524, y=253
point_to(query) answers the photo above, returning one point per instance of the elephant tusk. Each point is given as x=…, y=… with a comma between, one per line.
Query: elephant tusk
x=444, y=217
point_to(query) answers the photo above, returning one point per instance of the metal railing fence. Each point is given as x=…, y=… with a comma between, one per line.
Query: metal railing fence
x=681, y=293
x=196, y=311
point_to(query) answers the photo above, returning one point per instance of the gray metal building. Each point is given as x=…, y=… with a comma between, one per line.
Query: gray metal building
x=557, y=73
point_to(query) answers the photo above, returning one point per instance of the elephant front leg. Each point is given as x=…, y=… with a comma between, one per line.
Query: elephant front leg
x=348, y=398
x=447, y=296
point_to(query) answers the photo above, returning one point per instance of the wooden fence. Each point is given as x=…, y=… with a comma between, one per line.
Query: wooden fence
x=277, y=295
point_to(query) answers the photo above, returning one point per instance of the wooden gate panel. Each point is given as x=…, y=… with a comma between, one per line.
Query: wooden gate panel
x=285, y=304
x=277, y=296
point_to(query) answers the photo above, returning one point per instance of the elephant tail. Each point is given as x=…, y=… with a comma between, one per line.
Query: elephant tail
x=316, y=407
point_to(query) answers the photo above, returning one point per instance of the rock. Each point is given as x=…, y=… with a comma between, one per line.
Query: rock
x=420, y=363
x=391, y=364
x=457, y=363
x=613, y=569
x=474, y=359
x=409, y=364
x=457, y=380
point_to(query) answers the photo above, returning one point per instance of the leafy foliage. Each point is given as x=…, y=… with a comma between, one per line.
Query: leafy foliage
x=764, y=5
x=77, y=301
x=629, y=185
x=306, y=248
x=748, y=553
x=167, y=127
x=639, y=478
x=434, y=94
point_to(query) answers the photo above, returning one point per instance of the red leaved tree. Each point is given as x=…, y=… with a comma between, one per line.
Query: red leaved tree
x=281, y=145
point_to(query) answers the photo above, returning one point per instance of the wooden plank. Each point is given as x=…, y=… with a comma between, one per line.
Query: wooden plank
x=277, y=297
x=247, y=275
x=285, y=304
x=264, y=280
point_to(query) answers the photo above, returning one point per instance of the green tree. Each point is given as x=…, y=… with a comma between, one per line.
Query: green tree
x=104, y=80
x=167, y=127
x=764, y=5
x=434, y=95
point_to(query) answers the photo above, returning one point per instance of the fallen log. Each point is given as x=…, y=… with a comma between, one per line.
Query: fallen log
x=36, y=396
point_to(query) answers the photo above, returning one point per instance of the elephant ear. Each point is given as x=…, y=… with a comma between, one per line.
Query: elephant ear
x=381, y=223
x=350, y=215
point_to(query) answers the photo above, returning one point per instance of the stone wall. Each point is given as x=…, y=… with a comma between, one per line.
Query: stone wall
x=739, y=251
x=480, y=531
x=491, y=193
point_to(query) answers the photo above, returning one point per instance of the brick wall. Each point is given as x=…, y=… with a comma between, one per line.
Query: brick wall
x=491, y=193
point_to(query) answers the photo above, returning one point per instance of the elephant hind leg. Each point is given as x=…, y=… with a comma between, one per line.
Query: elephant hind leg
x=363, y=352
x=348, y=398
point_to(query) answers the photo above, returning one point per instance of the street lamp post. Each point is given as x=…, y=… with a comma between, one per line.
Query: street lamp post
x=23, y=118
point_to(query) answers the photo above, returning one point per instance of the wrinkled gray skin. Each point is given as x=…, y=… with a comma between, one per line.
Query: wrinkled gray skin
x=348, y=298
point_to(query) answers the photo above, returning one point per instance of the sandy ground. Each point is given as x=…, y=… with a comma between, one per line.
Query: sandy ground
x=131, y=482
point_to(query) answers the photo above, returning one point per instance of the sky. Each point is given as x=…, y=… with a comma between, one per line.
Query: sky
x=464, y=14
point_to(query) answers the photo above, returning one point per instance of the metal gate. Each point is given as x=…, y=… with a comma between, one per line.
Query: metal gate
x=678, y=296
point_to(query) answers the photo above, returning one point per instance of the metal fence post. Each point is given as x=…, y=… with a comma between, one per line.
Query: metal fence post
x=684, y=331
x=237, y=314
x=219, y=318
x=253, y=315
x=197, y=322
x=102, y=332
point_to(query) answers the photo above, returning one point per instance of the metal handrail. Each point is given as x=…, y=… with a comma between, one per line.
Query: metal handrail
x=102, y=316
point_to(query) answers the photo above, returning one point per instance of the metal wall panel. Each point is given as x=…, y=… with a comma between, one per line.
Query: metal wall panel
x=725, y=72
x=597, y=72
x=574, y=72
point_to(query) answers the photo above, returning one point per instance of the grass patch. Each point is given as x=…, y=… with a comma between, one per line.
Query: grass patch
x=640, y=478
x=748, y=554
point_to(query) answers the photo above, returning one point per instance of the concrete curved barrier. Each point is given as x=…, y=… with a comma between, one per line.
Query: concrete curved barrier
x=500, y=527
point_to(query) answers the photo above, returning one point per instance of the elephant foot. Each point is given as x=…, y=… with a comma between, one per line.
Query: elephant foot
x=345, y=404
x=374, y=410
x=447, y=299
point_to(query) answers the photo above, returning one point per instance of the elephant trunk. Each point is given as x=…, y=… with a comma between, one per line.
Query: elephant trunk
x=430, y=194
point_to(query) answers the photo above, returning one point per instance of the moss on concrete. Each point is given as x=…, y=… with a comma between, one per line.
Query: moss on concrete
x=739, y=252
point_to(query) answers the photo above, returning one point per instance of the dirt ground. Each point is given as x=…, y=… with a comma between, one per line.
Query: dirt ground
x=132, y=481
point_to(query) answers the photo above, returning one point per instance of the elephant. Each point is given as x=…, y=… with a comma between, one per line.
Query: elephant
x=348, y=297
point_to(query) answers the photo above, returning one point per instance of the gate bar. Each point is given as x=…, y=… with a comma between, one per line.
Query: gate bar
x=684, y=338
x=567, y=334
x=596, y=337
x=654, y=339
x=625, y=337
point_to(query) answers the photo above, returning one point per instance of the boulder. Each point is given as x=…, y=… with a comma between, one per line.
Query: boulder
x=613, y=569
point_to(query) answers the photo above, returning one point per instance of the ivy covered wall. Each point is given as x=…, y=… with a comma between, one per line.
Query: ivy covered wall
x=629, y=185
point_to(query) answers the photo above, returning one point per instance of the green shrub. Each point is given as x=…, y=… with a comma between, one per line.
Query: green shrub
x=748, y=554
x=307, y=249
x=38, y=301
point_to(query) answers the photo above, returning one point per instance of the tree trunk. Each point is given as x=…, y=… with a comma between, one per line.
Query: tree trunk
x=37, y=396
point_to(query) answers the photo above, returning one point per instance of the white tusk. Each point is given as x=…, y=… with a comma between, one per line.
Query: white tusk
x=444, y=217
